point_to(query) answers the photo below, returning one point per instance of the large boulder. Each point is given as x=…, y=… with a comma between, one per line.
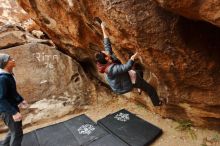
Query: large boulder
x=208, y=10
x=180, y=56
x=45, y=72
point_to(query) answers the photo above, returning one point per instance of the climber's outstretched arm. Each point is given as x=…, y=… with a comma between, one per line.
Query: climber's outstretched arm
x=105, y=35
x=107, y=43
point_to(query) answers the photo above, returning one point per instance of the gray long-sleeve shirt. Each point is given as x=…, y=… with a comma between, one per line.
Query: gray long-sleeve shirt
x=117, y=74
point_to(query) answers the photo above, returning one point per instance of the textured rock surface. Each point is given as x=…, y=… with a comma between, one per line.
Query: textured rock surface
x=208, y=10
x=15, y=35
x=10, y=39
x=180, y=57
x=43, y=69
x=11, y=12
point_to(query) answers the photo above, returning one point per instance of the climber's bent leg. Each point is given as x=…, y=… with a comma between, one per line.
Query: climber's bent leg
x=142, y=84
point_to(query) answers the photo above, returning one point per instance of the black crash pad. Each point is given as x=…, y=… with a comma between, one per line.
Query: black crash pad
x=74, y=132
x=108, y=140
x=84, y=129
x=78, y=131
x=30, y=138
x=56, y=135
x=130, y=128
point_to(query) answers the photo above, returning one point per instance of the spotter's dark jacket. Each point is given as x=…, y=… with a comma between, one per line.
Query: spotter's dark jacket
x=9, y=97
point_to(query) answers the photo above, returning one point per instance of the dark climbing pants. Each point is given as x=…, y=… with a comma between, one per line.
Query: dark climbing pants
x=15, y=134
x=143, y=85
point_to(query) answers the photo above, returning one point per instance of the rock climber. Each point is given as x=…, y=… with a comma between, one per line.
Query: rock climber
x=120, y=77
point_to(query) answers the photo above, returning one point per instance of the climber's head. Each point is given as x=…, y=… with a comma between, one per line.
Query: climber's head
x=7, y=62
x=103, y=57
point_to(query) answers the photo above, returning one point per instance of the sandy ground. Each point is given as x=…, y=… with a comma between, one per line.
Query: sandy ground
x=170, y=136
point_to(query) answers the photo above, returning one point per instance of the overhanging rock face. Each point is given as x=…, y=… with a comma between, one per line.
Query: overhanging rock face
x=195, y=9
x=180, y=56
